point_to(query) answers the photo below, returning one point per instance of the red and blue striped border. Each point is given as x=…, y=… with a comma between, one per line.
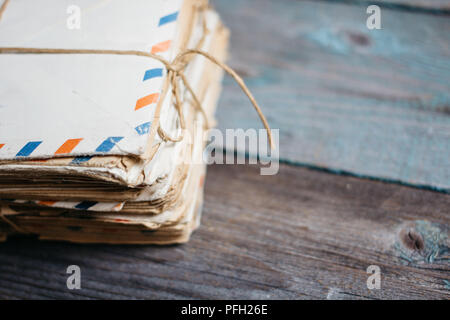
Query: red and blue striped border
x=69, y=145
x=152, y=98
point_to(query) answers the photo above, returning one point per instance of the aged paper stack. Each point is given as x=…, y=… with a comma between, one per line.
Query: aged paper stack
x=104, y=148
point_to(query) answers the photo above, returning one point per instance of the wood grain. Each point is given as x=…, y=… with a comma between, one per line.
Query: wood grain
x=301, y=234
x=409, y=4
x=371, y=102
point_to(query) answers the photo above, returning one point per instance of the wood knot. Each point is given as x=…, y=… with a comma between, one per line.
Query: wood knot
x=422, y=241
x=412, y=239
x=359, y=39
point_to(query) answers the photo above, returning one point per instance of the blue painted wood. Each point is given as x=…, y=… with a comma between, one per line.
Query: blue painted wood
x=374, y=103
x=404, y=4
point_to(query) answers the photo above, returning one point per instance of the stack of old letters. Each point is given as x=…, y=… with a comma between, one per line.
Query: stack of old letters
x=98, y=142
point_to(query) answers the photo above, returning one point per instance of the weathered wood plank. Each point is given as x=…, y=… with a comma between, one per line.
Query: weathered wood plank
x=301, y=234
x=421, y=4
x=371, y=102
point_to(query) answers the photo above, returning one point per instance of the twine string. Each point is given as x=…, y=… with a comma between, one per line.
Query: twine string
x=174, y=75
x=3, y=8
x=9, y=222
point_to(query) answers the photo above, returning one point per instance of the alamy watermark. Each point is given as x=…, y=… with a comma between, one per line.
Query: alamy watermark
x=374, y=20
x=74, y=280
x=234, y=146
x=73, y=21
x=374, y=280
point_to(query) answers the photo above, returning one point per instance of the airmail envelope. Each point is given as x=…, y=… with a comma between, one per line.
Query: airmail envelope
x=78, y=105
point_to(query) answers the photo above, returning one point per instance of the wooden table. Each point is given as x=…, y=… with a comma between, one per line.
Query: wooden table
x=344, y=106
x=301, y=234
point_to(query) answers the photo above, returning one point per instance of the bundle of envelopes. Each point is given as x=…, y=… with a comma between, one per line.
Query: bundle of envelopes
x=83, y=152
